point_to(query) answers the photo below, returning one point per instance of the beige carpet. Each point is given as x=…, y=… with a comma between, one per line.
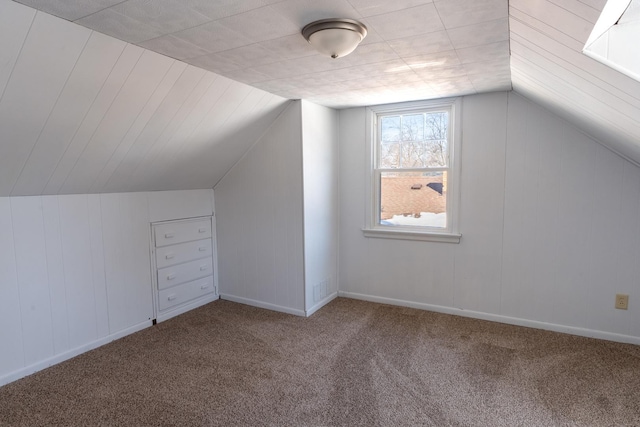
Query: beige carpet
x=351, y=364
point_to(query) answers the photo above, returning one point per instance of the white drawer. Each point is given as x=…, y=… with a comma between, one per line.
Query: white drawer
x=184, y=231
x=176, y=295
x=176, y=274
x=177, y=254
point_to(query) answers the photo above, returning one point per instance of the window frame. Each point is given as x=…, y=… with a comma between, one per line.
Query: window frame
x=373, y=228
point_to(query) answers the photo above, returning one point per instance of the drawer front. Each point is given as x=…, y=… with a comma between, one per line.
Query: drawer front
x=176, y=295
x=177, y=254
x=179, y=232
x=181, y=273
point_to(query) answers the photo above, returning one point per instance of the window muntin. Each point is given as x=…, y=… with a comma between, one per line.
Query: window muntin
x=413, y=170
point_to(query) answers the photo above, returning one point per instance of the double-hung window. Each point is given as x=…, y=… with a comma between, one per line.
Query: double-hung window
x=414, y=171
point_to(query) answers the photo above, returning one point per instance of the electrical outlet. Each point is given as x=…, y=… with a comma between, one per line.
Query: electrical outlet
x=622, y=301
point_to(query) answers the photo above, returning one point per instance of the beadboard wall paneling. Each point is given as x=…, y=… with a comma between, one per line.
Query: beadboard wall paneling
x=12, y=356
x=76, y=271
x=478, y=259
x=82, y=112
x=260, y=221
x=549, y=223
x=33, y=284
x=82, y=298
x=571, y=231
x=321, y=209
x=126, y=234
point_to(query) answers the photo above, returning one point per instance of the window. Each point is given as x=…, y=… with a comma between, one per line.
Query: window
x=613, y=40
x=414, y=171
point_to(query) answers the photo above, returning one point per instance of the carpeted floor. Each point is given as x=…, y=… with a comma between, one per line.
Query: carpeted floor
x=353, y=363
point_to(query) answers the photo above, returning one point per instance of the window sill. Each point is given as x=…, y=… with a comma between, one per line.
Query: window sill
x=411, y=235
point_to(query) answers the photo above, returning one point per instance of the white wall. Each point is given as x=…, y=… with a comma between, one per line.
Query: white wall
x=259, y=221
x=76, y=271
x=321, y=209
x=549, y=222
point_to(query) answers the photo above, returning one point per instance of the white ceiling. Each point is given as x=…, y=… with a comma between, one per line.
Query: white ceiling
x=82, y=112
x=415, y=49
x=548, y=66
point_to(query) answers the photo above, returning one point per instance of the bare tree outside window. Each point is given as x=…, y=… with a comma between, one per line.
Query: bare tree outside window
x=414, y=141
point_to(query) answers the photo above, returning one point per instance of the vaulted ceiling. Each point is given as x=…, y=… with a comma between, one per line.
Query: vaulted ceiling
x=82, y=112
x=201, y=74
x=548, y=66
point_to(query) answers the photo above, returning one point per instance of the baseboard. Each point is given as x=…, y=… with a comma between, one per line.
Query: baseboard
x=322, y=303
x=583, y=332
x=261, y=304
x=54, y=360
x=187, y=307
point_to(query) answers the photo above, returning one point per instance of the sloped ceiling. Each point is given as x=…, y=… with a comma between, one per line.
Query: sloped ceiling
x=82, y=112
x=415, y=49
x=548, y=66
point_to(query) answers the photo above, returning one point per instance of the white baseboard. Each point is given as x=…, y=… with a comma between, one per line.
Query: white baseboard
x=54, y=360
x=583, y=332
x=262, y=304
x=161, y=317
x=322, y=303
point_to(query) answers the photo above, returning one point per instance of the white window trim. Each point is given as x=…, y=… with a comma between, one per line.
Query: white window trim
x=373, y=228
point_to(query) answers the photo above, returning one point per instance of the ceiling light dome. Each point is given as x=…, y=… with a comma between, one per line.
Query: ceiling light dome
x=335, y=37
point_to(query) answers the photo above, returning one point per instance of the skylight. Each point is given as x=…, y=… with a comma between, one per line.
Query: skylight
x=614, y=39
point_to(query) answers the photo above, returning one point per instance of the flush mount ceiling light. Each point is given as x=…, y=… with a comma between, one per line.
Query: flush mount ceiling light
x=335, y=37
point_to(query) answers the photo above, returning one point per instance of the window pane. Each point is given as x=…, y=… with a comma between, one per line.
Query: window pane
x=413, y=198
x=390, y=149
x=412, y=154
x=437, y=150
x=390, y=128
x=414, y=141
x=389, y=154
x=413, y=127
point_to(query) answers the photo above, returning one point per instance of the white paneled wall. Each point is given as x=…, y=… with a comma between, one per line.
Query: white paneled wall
x=259, y=218
x=572, y=228
x=321, y=210
x=82, y=112
x=549, y=221
x=76, y=271
x=278, y=218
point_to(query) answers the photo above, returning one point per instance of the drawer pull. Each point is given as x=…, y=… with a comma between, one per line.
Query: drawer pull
x=203, y=267
x=168, y=236
x=203, y=287
x=202, y=230
x=171, y=277
x=202, y=248
x=171, y=297
x=169, y=256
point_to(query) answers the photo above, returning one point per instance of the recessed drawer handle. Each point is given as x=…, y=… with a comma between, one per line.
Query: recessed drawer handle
x=168, y=236
x=202, y=230
x=171, y=297
x=202, y=248
x=203, y=287
x=169, y=256
x=203, y=267
x=171, y=277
